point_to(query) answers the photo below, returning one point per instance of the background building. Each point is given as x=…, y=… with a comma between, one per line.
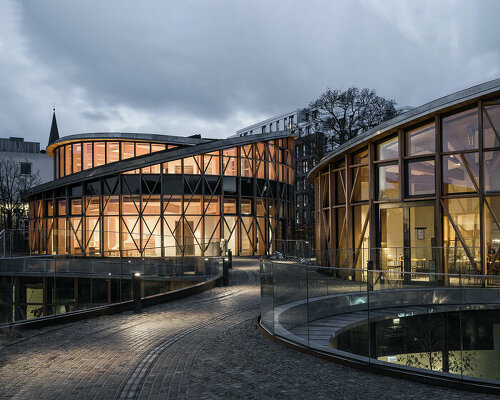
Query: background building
x=420, y=192
x=143, y=195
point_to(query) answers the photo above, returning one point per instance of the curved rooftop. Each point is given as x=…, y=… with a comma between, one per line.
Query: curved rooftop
x=126, y=136
x=414, y=116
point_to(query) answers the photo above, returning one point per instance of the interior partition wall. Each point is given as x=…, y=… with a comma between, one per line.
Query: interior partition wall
x=243, y=195
x=422, y=196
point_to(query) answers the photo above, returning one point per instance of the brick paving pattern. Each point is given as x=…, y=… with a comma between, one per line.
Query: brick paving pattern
x=202, y=347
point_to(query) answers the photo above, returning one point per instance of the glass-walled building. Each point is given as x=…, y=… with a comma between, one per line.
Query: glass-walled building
x=139, y=195
x=418, y=193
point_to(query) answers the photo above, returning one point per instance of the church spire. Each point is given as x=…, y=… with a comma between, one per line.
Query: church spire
x=54, y=132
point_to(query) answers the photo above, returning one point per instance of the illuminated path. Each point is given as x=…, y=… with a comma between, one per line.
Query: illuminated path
x=202, y=347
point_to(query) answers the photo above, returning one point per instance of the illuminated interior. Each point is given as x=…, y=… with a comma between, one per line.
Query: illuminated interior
x=185, y=206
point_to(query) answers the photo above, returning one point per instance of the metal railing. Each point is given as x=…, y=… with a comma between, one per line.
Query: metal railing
x=34, y=286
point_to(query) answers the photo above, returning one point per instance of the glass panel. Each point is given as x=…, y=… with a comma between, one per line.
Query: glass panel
x=128, y=150
x=388, y=149
x=491, y=126
x=465, y=216
x=75, y=235
x=87, y=155
x=92, y=234
x=76, y=207
x=172, y=236
x=192, y=205
x=341, y=251
x=421, y=140
x=460, y=131
x=151, y=236
x=99, y=153
x=151, y=205
x=360, y=158
x=91, y=205
x=230, y=233
x=456, y=178
x=340, y=182
x=61, y=207
x=388, y=181
x=230, y=206
x=61, y=235
x=230, y=166
x=141, y=149
x=130, y=205
x=77, y=157
x=361, y=190
x=211, y=165
x=391, y=238
x=246, y=236
x=112, y=152
x=111, y=235
x=491, y=171
x=192, y=165
x=61, y=162
x=246, y=206
x=212, y=231
x=130, y=236
x=172, y=205
x=67, y=159
x=421, y=178
x=157, y=147
x=111, y=205
x=174, y=167
x=246, y=167
x=361, y=239
x=422, y=241
x=212, y=205
x=492, y=235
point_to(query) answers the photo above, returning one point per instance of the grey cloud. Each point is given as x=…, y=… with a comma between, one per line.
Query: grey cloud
x=194, y=66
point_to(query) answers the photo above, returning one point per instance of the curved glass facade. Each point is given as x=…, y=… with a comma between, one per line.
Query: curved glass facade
x=422, y=196
x=243, y=195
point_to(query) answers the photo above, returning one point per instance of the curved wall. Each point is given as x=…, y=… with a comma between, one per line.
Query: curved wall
x=418, y=193
x=186, y=205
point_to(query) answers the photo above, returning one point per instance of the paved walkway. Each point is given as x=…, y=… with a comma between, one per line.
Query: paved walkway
x=202, y=347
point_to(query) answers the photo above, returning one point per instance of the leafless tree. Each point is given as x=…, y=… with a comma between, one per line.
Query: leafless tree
x=342, y=115
x=13, y=187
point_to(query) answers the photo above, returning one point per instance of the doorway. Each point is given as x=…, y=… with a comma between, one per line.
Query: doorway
x=406, y=239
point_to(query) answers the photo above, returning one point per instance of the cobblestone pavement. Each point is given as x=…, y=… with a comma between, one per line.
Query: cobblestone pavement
x=203, y=347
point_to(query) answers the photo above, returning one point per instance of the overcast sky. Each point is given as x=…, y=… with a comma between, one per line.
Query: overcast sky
x=212, y=67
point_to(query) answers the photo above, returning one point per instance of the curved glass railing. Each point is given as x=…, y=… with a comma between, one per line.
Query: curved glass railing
x=447, y=325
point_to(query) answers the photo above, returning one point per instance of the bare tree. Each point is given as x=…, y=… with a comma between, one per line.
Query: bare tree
x=342, y=115
x=13, y=187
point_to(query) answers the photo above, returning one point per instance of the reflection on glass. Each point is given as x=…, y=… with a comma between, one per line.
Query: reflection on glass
x=492, y=234
x=360, y=157
x=128, y=150
x=112, y=152
x=492, y=171
x=421, y=140
x=77, y=157
x=341, y=251
x=361, y=189
x=391, y=238
x=361, y=236
x=491, y=126
x=340, y=183
x=99, y=153
x=87, y=155
x=388, y=181
x=422, y=254
x=464, y=215
x=460, y=131
x=388, y=149
x=67, y=159
x=421, y=178
x=457, y=170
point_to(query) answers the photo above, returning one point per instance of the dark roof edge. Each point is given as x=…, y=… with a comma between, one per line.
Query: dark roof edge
x=440, y=104
x=158, y=157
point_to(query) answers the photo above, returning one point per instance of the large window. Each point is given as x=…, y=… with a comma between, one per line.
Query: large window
x=460, y=173
x=388, y=149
